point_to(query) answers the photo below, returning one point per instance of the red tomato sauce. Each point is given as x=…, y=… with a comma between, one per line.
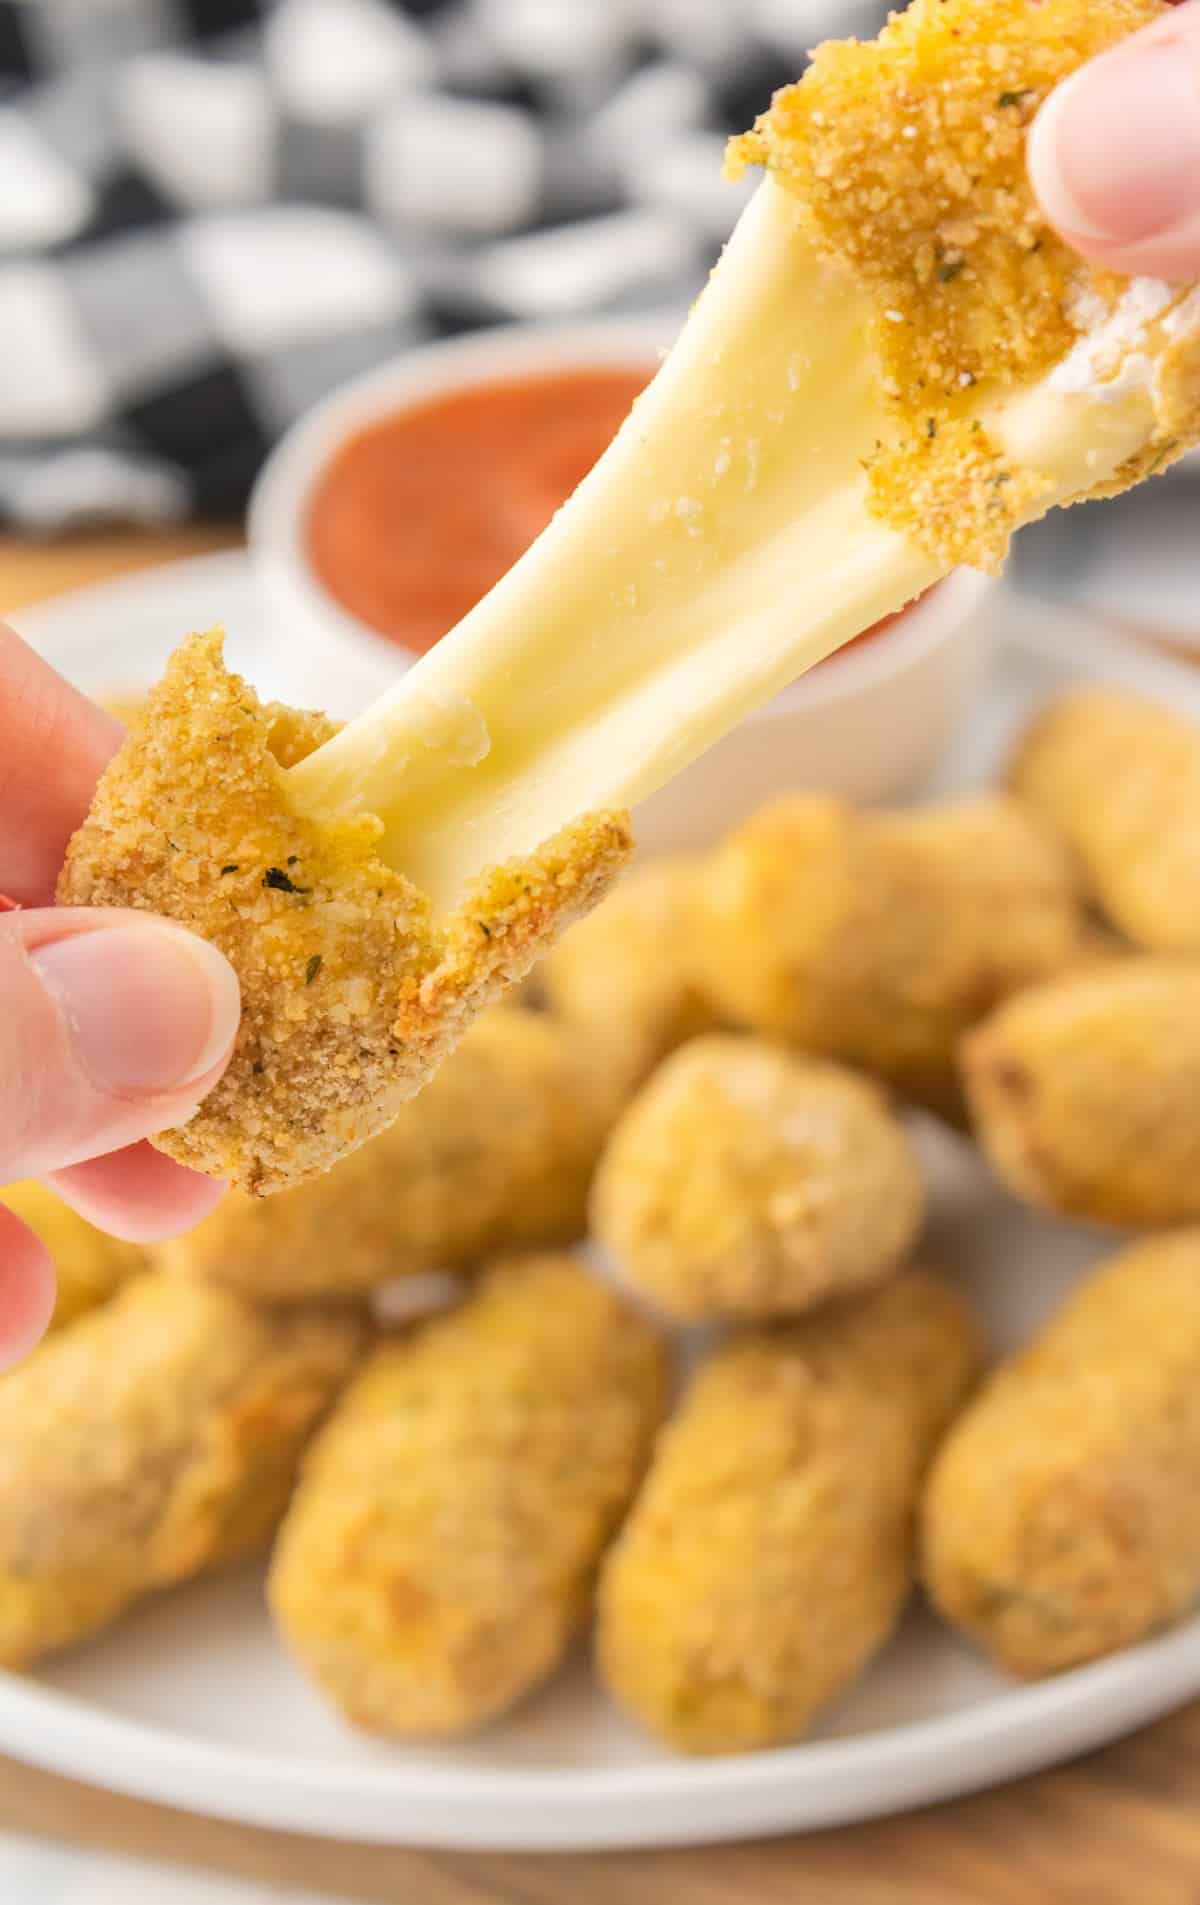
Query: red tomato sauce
x=416, y=516
x=419, y=514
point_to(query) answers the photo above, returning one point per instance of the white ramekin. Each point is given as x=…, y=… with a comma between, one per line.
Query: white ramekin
x=870, y=723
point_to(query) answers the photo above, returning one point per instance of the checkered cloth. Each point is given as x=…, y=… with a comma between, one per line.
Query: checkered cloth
x=212, y=211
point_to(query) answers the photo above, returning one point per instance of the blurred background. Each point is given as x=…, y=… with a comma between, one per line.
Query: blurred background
x=212, y=212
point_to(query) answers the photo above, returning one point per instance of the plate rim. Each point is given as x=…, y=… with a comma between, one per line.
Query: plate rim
x=39, y=621
x=810, y=1783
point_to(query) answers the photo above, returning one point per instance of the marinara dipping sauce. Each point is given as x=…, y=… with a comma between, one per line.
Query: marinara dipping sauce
x=416, y=516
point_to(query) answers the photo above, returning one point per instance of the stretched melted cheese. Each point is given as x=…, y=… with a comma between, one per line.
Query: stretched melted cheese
x=727, y=541
x=719, y=547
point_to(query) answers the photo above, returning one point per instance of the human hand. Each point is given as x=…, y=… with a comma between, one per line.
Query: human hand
x=1114, y=154
x=112, y=1024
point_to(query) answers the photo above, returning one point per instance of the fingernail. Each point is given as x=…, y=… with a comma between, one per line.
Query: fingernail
x=147, y=1007
x=1115, y=152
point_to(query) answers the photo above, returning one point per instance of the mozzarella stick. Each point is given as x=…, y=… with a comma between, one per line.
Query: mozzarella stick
x=1062, y=1516
x=496, y=1154
x=625, y=971
x=1085, y=1093
x=1119, y=778
x=151, y=1441
x=744, y=1181
x=770, y=1550
x=879, y=938
x=352, y=992
x=439, y=1554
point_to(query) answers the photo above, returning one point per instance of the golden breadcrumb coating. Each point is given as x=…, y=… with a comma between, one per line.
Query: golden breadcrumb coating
x=879, y=938
x=1085, y=1093
x=352, y=993
x=439, y=1553
x=495, y=1154
x=769, y=1553
x=906, y=156
x=745, y=1181
x=1062, y=1516
x=1119, y=778
x=625, y=970
x=88, y=1264
x=154, y=1439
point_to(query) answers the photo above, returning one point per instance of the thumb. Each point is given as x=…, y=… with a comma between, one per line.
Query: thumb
x=1114, y=154
x=113, y=1025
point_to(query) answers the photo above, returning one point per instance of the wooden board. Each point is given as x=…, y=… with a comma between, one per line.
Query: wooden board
x=1120, y=1828
x=30, y=571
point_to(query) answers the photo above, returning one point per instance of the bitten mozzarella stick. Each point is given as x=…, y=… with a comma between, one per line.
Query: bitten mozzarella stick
x=769, y=1552
x=352, y=992
x=1062, y=1516
x=746, y=1182
x=1085, y=1093
x=495, y=1154
x=439, y=1554
x=88, y=1264
x=879, y=938
x=153, y=1440
x=1119, y=778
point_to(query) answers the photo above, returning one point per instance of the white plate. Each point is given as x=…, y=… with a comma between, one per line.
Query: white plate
x=189, y=1700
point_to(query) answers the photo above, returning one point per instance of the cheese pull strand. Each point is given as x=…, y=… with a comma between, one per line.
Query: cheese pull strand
x=721, y=546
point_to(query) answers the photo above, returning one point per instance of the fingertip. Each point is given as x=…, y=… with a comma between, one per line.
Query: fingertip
x=116, y=1025
x=1114, y=154
x=138, y=1194
x=27, y=1289
x=1049, y=162
x=149, y=1007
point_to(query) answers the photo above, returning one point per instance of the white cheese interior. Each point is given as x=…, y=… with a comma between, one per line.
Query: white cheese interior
x=720, y=547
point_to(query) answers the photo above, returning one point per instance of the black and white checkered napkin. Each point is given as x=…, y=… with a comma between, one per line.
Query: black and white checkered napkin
x=212, y=211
